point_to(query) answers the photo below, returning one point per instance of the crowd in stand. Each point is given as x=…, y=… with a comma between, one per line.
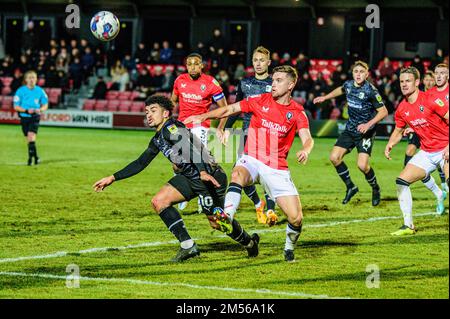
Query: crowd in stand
x=67, y=64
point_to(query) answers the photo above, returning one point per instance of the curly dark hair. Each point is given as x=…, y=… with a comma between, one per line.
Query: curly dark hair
x=161, y=100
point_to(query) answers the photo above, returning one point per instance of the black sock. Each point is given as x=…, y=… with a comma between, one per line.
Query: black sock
x=344, y=174
x=252, y=194
x=371, y=178
x=172, y=218
x=32, y=151
x=441, y=175
x=239, y=234
x=426, y=179
x=270, y=202
x=407, y=159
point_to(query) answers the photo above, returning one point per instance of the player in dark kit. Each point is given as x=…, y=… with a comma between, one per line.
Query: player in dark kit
x=365, y=109
x=199, y=175
x=251, y=86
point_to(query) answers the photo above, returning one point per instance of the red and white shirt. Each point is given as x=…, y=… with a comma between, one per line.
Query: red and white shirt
x=272, y=129
x=426, y=118
x=196, y=96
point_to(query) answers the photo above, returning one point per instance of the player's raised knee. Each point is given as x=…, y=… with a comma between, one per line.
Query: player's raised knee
x=296, y=220
x=335, y=159
x=159, y=203
x=363, y=167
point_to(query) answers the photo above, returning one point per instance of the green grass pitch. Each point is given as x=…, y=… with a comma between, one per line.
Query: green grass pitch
x=50, y=215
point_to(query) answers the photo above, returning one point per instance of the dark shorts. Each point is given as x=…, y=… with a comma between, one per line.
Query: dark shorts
x=350, y=140
x=29, y=124
x=414, y=139
x=210, y=196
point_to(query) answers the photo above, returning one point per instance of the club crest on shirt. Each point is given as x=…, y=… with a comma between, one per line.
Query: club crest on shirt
x=203, y=87
x=361, y=95
x=439, y=102
x=421, y=108
x=289, y=116
x=173, y=129
x=36, y=101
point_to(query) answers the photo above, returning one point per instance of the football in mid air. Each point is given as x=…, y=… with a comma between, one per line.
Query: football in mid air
x=105, y=26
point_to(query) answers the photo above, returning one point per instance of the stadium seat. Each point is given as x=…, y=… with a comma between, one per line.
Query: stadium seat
x=112, y=107
x=41, y=82
x=137, y=107
x=7, y=80
x=123, y=96
x=111, y=95
x=124, y=108
x=6, y=90
x=134, y=95
x=100, y=105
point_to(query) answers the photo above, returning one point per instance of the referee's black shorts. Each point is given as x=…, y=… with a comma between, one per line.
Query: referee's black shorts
x=210, y=196
x=30, y=124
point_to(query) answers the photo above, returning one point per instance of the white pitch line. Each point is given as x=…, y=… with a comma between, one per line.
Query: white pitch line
x=156, y=283
x=53, y=162
x=158, y=243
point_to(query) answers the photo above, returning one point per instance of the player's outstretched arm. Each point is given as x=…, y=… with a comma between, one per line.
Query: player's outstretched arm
x=219, y=113
x=308, y=144
x=104, y=182
x=395, y=138
x=333, y=94
x=220, y=132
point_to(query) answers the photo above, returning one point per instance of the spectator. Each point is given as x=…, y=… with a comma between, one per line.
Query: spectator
x=337, y=75
x=143, y=83
x=53, y=55
x=141, y=55
x=129, y=63
x=385, y=68
x=62, y=65
x=63, y=54
x=275, y=61
x=178, y=54
x=202, y=50
x=120, y=77
x=302, y=64
x=7, y=67
x=157, y=79
x=30, y=40
x=74, y=45
x=24, y=64
x=87, y=62
x=166, y=53
x=418, y=64
x=168, y=81
x=100, y=89
x=51, y=77
x=155, y=53
x=76, y=74
x=239, y=73
x=53, y=44
x=437, y=59
x=17, y=81
x=286, y=59
x=304, y=86
x=224, y=80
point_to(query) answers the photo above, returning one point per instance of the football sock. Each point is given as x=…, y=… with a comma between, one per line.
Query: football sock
x=172, y=218
x=32, y=149
x=239, y=234
x=430, y=183
x=232, y=199
x=252, y=194
x=292, y=235
x=441, y=175
x=270, y=202
x=407, y=159
x=371, y=178
x=405, y=200
x=344, y=174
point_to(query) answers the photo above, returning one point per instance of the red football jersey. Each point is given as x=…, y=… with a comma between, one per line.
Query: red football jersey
x=426, y=118
x=196, y=96
x=272, y=129
x=438, y=97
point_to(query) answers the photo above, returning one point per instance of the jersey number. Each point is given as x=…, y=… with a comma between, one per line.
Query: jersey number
x=206, y=201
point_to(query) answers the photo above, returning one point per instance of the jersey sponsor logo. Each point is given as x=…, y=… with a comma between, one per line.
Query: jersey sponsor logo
x=418, y=122
x=353, y=105
x=274, y=126
x=203, y=87
x=173, y=129
x=191, y=96
x=361, y=95
x=439, y=102
x=269, y=88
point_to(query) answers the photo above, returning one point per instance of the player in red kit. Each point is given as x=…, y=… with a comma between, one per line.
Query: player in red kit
x=275, y=121
x=429, y=120
x=194, y=92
